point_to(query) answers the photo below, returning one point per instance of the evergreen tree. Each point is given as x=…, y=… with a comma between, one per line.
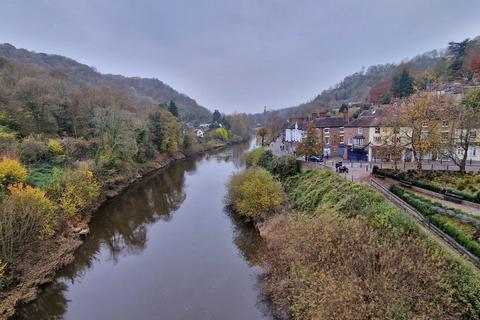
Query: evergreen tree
x=173, y=108
x=216, y=116
x=403, y=84
x=457, y=50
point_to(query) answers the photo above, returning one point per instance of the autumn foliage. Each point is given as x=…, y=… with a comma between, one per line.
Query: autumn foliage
x=26, y=215
x=11, y=172
x=254, y=193
x=344, y=252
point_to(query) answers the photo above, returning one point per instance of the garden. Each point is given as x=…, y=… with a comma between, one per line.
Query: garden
x=461, y=226
x=466, y=186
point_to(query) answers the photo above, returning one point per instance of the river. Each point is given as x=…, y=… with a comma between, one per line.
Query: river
x=164, y=249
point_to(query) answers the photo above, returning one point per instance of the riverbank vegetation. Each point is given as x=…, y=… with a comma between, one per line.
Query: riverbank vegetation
x=65, y=145
x=343, y=251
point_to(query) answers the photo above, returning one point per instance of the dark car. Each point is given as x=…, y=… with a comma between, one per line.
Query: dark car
x=315, y=159
x=338, y=164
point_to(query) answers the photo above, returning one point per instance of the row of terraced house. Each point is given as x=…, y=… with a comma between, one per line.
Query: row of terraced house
x=360, y=139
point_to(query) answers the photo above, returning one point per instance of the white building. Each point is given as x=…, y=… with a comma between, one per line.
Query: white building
x=295, y=132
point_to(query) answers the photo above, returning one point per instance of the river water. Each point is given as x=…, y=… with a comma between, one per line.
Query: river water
x=164, y=249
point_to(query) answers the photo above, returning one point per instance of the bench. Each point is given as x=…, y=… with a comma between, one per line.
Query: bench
x=452, y=197
x=406, y=184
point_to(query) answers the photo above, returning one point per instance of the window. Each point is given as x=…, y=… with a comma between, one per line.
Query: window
x=377, y=139
x=359, y=142
x=377, y=130
x=424, y=124
x=445, y=124
x=341, y=140
x=327, y=140
x=444, y=136
x=473, y=136
x=472, y=151
x=326, y=131
x=360, y=130
x=350, y=141
x=342, y=130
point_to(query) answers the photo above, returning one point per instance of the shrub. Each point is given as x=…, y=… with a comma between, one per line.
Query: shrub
x=55, y=147
x=11, y=172
x=325, y=267
x=254, y=193
x=78, y=149
x=265, y=160
x=252, y=158
x=222, y=133
x=351, y=254
x=8, y=145
x=27, y=215
x=32, y=150
x=73, y=189
x=283, y=167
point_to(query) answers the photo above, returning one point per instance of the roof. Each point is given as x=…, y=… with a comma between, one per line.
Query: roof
x=370, y=118
x=330, y=122
x=301, y=125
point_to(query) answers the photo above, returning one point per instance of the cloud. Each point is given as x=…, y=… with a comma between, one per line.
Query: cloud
x=238, y=55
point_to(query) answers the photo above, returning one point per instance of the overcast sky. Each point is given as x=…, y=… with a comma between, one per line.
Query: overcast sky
x=238, y=55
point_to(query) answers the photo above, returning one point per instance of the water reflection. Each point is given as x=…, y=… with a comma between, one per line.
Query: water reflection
x=156, y=232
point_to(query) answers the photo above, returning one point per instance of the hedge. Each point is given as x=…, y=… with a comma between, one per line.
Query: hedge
x=402, y=176
x=425, y=209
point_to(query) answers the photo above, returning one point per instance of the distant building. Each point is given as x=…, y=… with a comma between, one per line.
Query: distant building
x=364, y=135
x=331, y=132
x=295, y=132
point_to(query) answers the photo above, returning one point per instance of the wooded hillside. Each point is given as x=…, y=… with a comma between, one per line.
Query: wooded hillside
x=86, y=76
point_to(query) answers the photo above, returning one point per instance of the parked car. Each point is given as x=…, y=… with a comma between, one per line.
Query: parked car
x=315, y=159
x=343, y=169
x=338, y=164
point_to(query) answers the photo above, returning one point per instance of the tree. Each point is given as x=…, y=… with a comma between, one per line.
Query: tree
x=343, y=108
x=402, y=84
x=381, y=92
x=216, y=116
x=474, y=66
x=116, y=140
x=262, y=133
x=463, y=119
x=457, y=51
x=420, y=122
x=172, y=107
x=392, y=143
x=165, y=131
x=240, y=126
x=310, y=145
x=274, y=125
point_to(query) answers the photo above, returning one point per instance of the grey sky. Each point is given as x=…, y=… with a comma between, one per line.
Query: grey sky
x=238, y=55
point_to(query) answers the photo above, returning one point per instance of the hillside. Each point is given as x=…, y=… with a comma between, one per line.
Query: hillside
x=433, y=67
x=87, y=76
